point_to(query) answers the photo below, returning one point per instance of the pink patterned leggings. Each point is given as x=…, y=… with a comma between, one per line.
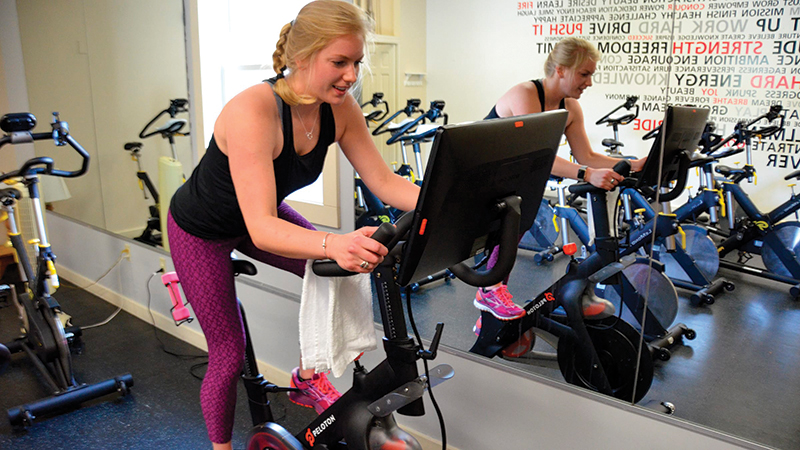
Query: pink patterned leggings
x=206, y=273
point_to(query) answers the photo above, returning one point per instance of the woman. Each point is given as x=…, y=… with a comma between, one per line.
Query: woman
x=269, y=141
x=568, y=72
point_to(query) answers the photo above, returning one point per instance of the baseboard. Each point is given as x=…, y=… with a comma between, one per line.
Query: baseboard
x=194, y=337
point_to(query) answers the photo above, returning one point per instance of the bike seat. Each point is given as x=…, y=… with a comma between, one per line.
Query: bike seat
x=612, y=143
x=10, y=193
x=795, y=174
x=244, y=267
x=133, y=146
x=728, y=171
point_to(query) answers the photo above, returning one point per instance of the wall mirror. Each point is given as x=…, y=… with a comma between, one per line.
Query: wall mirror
x=734, y=60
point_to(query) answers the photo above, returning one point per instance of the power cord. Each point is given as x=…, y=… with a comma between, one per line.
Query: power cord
x=425, y=364
x=119, y=308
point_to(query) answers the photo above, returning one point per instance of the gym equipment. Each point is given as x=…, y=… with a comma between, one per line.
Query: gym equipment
x=545, y=230
x=170, y=170
x=152, y=232
x=370, y=210
x=696, y=257
x=758, y=232
x=422, y=242
x=46, y=340
x=601, y=355
x=613, y=145
x=416, y=132
x=376, y=114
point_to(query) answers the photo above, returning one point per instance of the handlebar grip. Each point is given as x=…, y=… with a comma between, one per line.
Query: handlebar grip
x=509, y=238
x=623, y=167
x=384, y=234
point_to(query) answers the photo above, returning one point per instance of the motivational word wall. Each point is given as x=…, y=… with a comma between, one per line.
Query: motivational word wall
x=737, y=58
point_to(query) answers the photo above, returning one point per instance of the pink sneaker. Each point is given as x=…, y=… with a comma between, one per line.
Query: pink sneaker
x=498, y=302
x=317, y=393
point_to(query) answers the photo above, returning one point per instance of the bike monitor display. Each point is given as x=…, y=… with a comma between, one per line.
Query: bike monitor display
x=471, y=167
x=684, y=127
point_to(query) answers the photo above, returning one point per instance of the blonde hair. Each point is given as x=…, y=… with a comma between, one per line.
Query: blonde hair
x=570, y=52
x=316, y=25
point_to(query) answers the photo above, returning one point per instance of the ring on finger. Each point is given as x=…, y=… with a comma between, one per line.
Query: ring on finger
x=364, y=265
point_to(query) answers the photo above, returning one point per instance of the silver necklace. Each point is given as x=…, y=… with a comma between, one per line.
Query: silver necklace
x=309, y=134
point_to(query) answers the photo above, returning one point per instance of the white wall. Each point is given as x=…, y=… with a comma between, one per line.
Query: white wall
x=484, y=407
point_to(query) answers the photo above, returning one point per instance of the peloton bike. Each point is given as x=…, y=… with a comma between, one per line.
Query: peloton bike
x=46, y=341
x=605, y=355
x=454, y=219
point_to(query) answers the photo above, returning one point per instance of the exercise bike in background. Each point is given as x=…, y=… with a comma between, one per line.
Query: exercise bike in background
x=46, y=340
x=613, y=145
x=757, y=232
x=170, y=170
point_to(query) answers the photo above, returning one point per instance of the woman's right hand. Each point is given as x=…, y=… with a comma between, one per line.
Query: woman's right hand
x=603, y=178
x=352, y=250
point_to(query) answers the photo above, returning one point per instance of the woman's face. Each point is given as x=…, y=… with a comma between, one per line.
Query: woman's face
x=333, y=70
x=575, y=81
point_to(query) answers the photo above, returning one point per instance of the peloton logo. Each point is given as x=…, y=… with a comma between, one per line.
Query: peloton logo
x=548, y=297
x=761, y=225
x=311, y=436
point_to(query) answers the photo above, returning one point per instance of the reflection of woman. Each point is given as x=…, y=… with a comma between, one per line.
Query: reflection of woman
x=269, y=141
x=568, y=72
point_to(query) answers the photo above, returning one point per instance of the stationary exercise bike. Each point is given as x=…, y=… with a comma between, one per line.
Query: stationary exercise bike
x=170, y=175
x=443, y=231
x=759, y=232
x=613, y=145
x=604, y=355
x=46, y=341
x=695, y=257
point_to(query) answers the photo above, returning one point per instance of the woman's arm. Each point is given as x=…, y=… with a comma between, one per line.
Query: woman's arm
x=251, y=135
x=598, y=171
x=357, y=145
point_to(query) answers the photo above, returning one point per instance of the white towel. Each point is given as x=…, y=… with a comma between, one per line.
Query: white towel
x=336, y=323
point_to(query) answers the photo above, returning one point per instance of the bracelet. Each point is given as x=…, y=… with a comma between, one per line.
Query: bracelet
x=325, y=245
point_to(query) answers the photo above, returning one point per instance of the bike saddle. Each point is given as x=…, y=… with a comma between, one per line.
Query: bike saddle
x=135, y=146
x=244, y=267
x=608, y=142
x=728, y=171
x=9, y=193
x=795, y=174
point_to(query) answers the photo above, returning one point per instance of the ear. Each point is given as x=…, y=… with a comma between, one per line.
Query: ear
x=560, y=71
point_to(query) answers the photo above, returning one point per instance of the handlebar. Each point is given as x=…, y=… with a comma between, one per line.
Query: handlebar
x=622, y=120
x=20, y=126
x=385, y=234
x=623, y=167
x=377, y=99
x=412, y=107
x=743, y=131
x=432, y=114
x=178, y=105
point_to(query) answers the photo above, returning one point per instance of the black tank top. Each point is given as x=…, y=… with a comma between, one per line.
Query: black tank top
x=540, y=89
x=206, y=205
